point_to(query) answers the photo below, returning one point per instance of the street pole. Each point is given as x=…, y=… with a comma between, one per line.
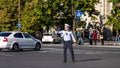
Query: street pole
x=73, y=15
x=18, y=13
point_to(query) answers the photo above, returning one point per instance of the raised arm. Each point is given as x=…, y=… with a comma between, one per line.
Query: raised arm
x=59, y=32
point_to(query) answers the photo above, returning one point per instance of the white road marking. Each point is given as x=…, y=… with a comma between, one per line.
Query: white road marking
x=3, y=54
x=76, y=51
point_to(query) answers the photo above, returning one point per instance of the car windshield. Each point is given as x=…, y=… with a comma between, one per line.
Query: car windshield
x=4, y=34
x=47, y=34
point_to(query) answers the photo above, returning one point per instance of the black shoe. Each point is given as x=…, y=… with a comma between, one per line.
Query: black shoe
x=64, y=61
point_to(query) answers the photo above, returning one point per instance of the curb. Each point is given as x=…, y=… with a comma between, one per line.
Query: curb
x=86, y=45
x=103, y=46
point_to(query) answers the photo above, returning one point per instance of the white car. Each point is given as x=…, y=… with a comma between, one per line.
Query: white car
x=51, y=38
x=47, y=38
x=18, y=40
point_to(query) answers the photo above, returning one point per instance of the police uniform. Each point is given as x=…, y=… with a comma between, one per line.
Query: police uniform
x=67, y=37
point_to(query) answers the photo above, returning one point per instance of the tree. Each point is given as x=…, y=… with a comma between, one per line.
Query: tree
x=8, y=12
x=36, y=14
x=114, y=18
x=30, y=15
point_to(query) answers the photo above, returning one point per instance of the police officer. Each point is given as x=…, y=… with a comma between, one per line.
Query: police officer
x=67, y=37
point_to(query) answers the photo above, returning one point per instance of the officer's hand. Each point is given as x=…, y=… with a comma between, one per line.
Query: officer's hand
x=74, y=44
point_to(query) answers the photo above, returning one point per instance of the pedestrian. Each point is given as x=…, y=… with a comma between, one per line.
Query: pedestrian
x=78, y=34
x=67, y=37
x=117, y=36
x=91, y=38
x=81, y=38
x=102, y=37
x=95, y=37
x=98, y=37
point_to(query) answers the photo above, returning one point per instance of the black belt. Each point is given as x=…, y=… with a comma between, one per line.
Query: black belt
x=68, y=41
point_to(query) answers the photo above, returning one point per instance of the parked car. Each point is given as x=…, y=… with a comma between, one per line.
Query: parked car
x=18, y=40
x=51, y=38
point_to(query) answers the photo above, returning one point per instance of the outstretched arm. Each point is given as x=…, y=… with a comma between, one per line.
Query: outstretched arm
x=59, y=32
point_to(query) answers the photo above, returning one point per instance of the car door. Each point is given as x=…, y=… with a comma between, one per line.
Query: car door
x=18, y=37
x=30, y=42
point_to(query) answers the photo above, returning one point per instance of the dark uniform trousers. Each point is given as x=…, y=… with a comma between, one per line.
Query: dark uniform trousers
x=68, y=44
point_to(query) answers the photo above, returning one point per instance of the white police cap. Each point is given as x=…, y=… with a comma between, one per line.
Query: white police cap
x=66, y=25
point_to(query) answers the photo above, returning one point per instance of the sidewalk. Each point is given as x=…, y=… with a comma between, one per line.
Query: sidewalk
x=110, y=44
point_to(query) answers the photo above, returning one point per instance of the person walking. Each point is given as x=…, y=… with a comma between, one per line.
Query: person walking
x=78, y=34
x=102, y=37
x=117, y=36
x=81, y=38
x=91, y=38
x=95, y=37
x=67, y=37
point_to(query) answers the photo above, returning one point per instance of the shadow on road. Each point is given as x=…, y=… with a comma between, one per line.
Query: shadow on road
x=86, y=60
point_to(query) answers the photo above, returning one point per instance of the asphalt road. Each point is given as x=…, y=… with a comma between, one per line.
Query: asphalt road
x=51, y=56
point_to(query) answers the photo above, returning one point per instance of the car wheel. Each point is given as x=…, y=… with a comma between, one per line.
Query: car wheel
x=15, y=48
x=0, y=49
x=37, y=47
x=21, y=50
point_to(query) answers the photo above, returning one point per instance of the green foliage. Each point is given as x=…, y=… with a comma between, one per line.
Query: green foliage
x=30, y=16
x=36, y=14
x=8, y=12
x=115, y=17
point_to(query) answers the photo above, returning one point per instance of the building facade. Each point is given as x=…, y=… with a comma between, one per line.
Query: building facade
x=104, y=7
